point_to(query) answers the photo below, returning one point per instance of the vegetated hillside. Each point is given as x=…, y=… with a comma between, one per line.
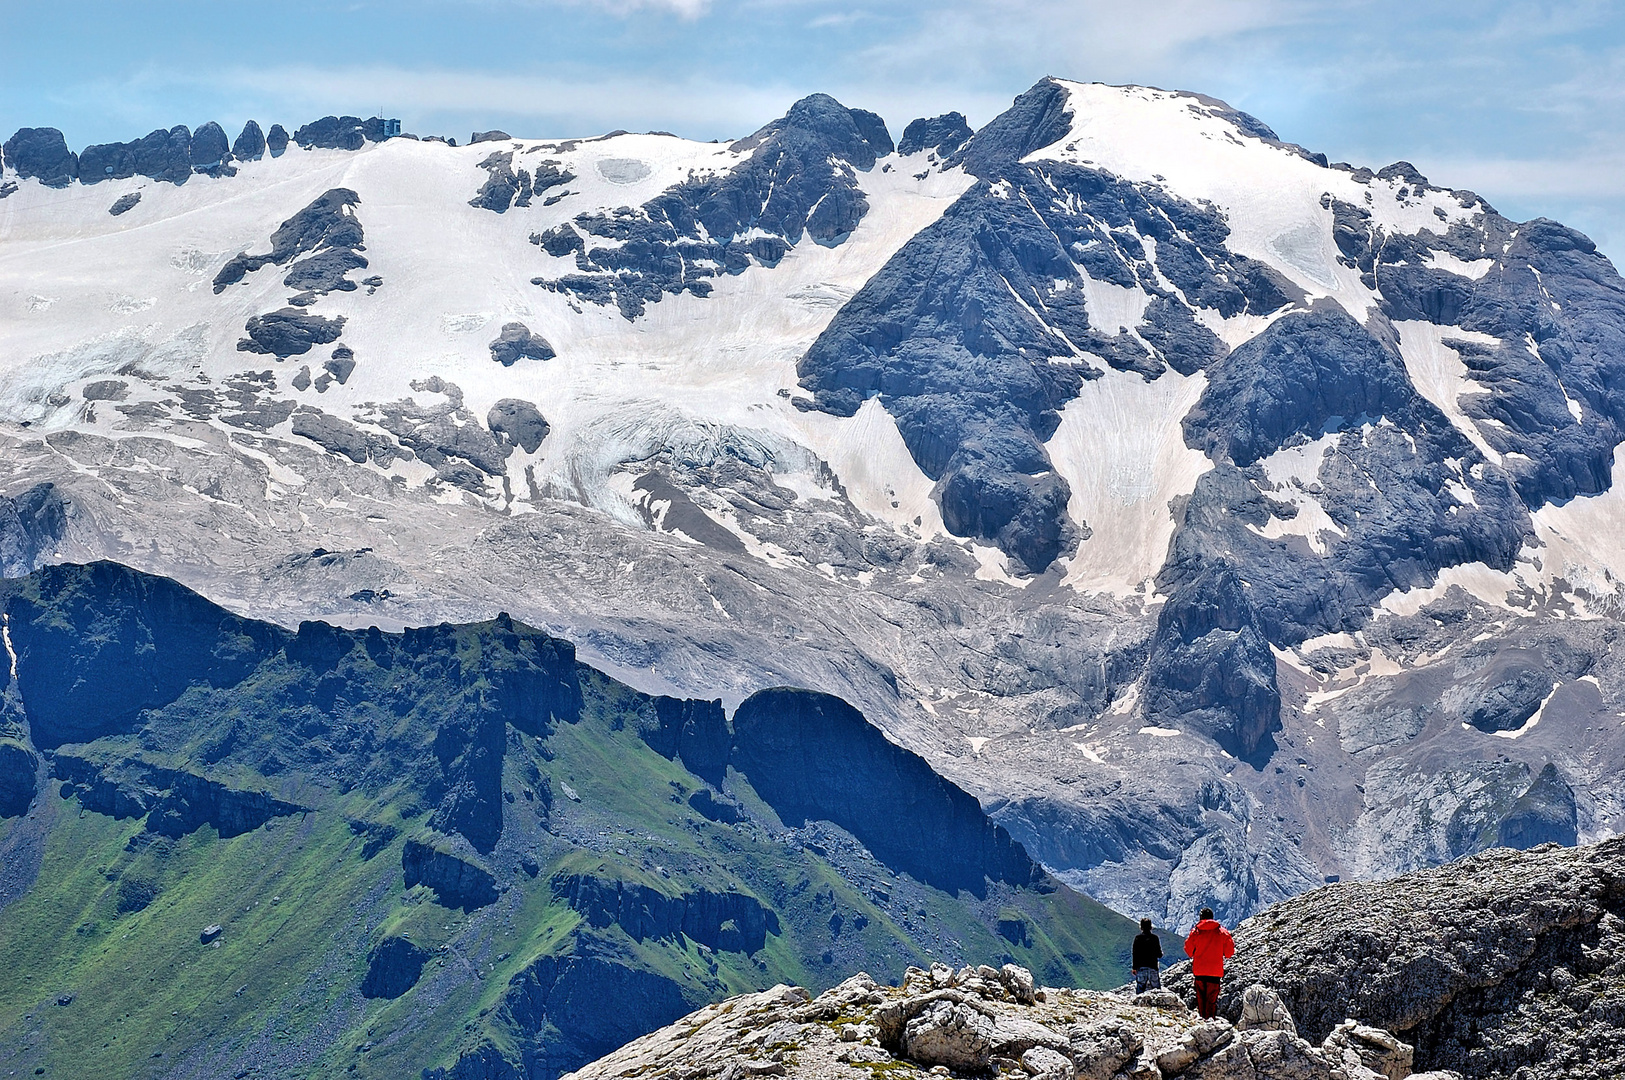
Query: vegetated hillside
x=235, y=849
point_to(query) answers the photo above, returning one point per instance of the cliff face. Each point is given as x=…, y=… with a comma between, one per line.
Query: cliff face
x=1505, y=964
x=812, y=756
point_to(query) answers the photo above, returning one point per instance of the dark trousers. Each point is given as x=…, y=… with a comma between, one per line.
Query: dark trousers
x=1207, y=996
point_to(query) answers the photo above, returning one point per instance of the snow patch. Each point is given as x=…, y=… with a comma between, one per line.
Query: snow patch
x=1121, y=448
x=1438, y=373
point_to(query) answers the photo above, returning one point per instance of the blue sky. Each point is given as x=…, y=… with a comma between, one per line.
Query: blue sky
x=1518, y=101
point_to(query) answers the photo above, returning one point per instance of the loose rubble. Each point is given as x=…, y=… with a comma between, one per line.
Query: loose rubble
x=990, y=1022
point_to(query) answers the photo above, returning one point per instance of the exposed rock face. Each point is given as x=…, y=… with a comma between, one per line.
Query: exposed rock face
x=517, y=343
x=174, y=801
x=334, y=133
x=799, y=180
x=458, y=882
x=393, y=968
x=210, y=148
x=41, y=153
x=944, y=134
x=1544, y=814
x=813, y=756
x=566, y=995
x=159, y=155
x=343, y=437
x=1506, y=964
x=18, y=765
x=250, y=144
x=289, y=332
x=988, y=1021
x=276, y=140
x=328, y=228
x=729, y=921
x=695, y=731
x=518, y=423
x=31, y=525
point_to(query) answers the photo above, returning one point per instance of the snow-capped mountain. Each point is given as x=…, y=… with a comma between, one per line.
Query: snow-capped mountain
x=1226, y=519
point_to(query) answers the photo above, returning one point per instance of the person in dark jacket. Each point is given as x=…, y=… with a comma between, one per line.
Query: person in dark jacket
x=1208, y=946
x=1147, y=954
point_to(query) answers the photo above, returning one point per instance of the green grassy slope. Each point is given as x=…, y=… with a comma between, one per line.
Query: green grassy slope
x=486, y=743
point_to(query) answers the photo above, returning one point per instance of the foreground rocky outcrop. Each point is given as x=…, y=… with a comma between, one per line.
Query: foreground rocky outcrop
x=1508, y=964
x=988, y=1022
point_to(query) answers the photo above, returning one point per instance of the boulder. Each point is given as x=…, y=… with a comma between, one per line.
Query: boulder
x=951, y=1034
x=1042, y=1063
x=1101, y=1048
x=124, y=203
x=1372, y=1047
x=517, y=343
x=1262, y=1009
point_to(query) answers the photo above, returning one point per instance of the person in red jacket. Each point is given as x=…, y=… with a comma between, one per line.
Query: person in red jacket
x=1208, y=946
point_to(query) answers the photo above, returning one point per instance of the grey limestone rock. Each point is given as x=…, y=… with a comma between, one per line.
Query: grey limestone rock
x=494, y=135
x=18, y=771
x=327, y=225
x=518, y=423
x=502, y=186
x=276, y=140
x=1500, y=965
x=340, y=363
x=42, y=154
x=1263, y=1010
x=952, y=1034
x=812, y=756
x=289, y=332
x=332, y=133
x=1375, y=1049
x=250, y=144
x=210, y=149
x=105, y=390
x=516, y=343
x=341, y=436
x=124, y=203
x=1544, y=814
x=944, y=134
x=32, y=524
x=799, y=180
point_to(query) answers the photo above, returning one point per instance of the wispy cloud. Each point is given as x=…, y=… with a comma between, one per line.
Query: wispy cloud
x=1518, y=99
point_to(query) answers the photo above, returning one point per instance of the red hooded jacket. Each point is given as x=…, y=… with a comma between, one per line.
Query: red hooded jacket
x=1208, y=946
